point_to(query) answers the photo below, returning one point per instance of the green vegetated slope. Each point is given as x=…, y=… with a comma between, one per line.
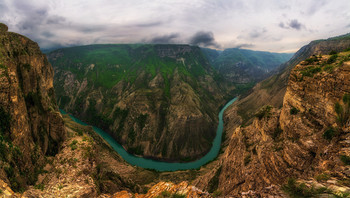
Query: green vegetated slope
x=158, y=101
x=271, y=90
x=245, y=66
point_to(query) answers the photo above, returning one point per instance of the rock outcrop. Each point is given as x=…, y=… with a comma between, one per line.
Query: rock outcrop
x=307, y=139
x=164, y=189
x=271, y=91
x=31, y=126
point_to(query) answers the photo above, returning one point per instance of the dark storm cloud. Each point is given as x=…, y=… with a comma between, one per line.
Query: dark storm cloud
x=204, y=39
x=292, y=24
x=164, y=39
x=295, y=24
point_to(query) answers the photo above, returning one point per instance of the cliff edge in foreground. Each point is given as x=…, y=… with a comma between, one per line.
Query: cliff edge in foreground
x=31, y=128
x=301, y=149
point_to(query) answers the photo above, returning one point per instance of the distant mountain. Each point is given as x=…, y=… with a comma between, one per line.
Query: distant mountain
x=158, y=101
x=245, y=66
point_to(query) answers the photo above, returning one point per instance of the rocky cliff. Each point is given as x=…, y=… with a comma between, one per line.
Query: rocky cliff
x=271, y=91
x=153, y=99
x=301, y=149
x=86, y=166
x=31, y=127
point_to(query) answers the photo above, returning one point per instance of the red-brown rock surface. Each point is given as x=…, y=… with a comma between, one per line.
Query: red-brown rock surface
x=291, y=142
x=32, y=127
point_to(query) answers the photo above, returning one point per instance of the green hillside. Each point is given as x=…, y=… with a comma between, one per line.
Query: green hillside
x=113, y=63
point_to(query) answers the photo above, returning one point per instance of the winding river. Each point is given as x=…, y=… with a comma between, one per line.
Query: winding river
x=165, y=166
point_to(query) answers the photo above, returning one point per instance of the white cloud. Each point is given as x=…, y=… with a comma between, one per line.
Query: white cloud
x=253, y=24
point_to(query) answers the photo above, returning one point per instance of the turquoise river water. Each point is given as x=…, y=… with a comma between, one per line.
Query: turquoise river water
x=164, y=166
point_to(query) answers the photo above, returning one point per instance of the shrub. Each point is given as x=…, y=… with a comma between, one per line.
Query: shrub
x=277, y=133
x=294, y=111
x=247, y=159
x=328, y=68
x=311, y=60
x=216, y=193
x=338, y=108
x=345, y=159
x=264, y=112
x=177, y=195
x=5, y=120
x=294, y=189
x=74, y=145
x=329, y=133
x=27, y=66
x=341, y=194
x=346, y=98
x=322, y=177
x=137, y=150
x=343, y=111
x=40, y=187
x=4, y=67
x=166, y=194
x=332, y=59
x=310, y=71
x=332, y=52
x=141, y=120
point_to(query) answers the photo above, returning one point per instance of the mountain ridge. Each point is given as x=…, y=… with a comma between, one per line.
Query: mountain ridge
x=243, y=65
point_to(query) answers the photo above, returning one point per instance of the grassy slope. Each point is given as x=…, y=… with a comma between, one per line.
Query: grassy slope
x=122, y=62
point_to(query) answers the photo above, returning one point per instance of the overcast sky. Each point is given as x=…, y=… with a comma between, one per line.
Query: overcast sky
x=265, y=25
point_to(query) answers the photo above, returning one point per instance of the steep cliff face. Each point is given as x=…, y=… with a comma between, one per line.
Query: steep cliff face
x=271, y=91
x=31, y=126
x=307, y=139
x=153, y=99
x=86, y=166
